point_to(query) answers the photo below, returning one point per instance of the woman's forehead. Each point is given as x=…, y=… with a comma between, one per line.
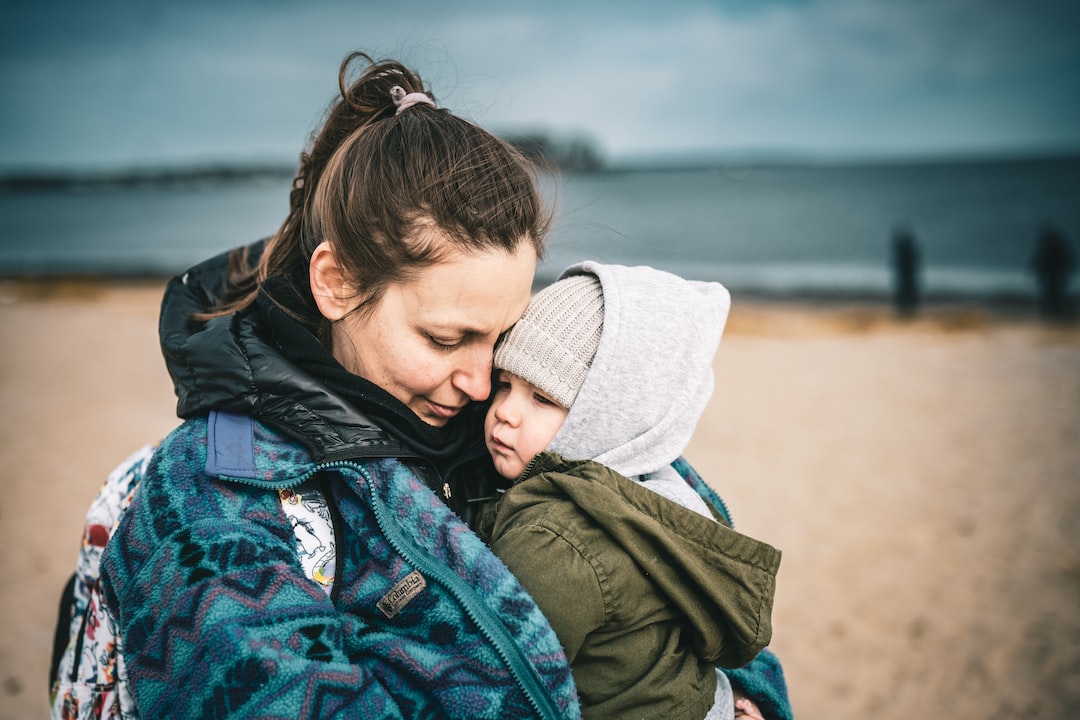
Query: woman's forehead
x=475, y=292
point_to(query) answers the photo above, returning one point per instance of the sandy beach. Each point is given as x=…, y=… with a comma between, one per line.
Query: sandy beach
x=922, y=478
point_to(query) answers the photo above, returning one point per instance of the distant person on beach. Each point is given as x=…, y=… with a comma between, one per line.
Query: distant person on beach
x=905, y=272
x=598, y=388
x=1053, y=263
x=303, y=544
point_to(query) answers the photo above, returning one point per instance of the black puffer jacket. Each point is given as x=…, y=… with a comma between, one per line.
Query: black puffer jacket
x=265, y=363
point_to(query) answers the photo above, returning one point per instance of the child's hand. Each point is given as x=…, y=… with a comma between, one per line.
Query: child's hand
x=745, y=707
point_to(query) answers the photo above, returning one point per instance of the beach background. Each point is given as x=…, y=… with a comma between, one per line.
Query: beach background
x=919, y=475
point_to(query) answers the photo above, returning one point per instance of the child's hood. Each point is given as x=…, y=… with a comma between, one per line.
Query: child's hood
x=651, y=377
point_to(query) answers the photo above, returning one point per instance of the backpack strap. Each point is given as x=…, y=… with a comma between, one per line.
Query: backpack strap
x=63, y=627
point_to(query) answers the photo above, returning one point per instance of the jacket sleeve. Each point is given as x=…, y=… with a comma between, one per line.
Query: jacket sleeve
x=565, y=584
x=762, y=680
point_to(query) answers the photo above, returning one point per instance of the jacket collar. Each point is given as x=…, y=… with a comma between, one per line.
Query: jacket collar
x=233, y=364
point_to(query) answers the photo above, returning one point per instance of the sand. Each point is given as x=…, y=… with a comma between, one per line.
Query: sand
x=922, y=479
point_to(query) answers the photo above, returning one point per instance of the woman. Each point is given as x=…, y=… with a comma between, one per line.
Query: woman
x=298, y=547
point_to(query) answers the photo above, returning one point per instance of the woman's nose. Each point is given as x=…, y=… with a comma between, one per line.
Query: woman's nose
x=474, y=377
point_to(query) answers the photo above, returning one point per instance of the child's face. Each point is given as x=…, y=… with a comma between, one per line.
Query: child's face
x=521, y=422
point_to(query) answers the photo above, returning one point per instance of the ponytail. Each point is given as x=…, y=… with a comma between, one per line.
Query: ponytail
x=390, y=181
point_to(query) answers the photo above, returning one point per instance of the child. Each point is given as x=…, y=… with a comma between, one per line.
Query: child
x=598, y=389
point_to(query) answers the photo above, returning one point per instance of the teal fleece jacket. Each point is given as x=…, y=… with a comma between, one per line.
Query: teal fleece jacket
x=218, y=619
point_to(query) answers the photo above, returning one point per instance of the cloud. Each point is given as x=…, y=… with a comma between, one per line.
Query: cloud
x=118, y=82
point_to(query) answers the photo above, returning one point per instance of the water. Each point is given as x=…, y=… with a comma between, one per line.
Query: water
x=825, y=230
x=141, y=230
x=774, y=230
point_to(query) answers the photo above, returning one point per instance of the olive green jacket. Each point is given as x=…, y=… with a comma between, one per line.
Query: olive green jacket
x=646, y=596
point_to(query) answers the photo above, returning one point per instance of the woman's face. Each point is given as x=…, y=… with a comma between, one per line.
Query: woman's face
x=429, y=340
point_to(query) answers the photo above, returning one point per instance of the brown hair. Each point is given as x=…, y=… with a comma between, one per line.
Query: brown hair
x=374, y=182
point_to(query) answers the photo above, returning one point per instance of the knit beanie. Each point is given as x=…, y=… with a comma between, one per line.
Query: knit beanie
x=553, y=344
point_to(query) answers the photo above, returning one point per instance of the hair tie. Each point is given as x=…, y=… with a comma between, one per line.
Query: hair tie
x=405, y=101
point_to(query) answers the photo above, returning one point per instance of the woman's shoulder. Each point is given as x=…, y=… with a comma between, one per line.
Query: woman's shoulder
x=218, y=467
x=184, y=509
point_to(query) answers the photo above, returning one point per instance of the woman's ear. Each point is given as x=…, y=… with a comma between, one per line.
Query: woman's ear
x=334, y=293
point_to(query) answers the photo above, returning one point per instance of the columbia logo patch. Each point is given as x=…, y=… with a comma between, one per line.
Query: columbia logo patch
x=399, y=596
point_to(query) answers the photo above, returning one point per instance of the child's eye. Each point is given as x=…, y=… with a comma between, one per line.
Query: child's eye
x=542, y=399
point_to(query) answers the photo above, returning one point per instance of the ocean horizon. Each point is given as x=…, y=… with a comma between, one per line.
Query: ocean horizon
x=776, y=228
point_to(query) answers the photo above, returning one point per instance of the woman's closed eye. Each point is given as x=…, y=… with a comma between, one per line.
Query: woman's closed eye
x=443, y=343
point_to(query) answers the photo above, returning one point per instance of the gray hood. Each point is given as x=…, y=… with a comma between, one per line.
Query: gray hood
x=638, y=420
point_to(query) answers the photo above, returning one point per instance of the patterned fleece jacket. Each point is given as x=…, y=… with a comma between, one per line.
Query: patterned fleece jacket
x=219, y=620
x=214, y=613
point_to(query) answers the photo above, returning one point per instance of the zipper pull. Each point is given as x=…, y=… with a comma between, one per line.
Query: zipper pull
x=446, y=490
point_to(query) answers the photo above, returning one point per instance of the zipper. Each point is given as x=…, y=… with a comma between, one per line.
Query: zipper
x=724, y=510
x=525, y=674
x=529, y=469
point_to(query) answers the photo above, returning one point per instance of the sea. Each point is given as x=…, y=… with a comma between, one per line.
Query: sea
x=775, y=229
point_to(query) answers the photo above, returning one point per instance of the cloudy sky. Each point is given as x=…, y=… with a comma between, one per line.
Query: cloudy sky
x=116, y=83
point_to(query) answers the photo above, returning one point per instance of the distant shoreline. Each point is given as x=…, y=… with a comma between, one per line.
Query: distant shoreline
x=229, y=173
x=143, y=177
